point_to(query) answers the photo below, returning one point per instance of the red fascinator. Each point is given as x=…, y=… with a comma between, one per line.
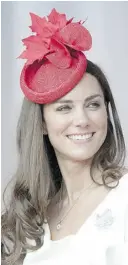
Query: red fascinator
x=55, y=62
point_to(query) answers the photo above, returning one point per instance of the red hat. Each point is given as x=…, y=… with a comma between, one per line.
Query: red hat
x=55, y=62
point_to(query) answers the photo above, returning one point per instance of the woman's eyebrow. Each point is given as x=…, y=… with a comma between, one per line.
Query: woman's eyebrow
x=86, y=100
x=93, y=97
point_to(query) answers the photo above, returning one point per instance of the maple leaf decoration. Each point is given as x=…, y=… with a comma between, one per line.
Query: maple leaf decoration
x=53, y=37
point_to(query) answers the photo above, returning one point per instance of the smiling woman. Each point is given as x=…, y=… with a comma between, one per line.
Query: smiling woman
x=70, y=183
x=77, y=123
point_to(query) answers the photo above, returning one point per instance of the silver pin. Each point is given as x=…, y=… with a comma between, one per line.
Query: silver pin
x=104, y=220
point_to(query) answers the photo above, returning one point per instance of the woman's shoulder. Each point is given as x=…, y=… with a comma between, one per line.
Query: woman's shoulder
x=121, y=190
x=123, y=182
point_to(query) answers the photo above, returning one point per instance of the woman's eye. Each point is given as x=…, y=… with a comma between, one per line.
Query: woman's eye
x=94, y=105
x=64, y=108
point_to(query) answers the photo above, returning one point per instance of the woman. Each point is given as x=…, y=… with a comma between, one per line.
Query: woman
x=70, y=176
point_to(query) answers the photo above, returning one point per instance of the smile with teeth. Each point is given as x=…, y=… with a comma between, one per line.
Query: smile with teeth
x=86, y=136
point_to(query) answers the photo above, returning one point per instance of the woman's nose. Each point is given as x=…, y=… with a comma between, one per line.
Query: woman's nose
x=81, y=118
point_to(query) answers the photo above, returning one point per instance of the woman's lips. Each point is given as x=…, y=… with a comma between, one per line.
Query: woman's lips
x=80, y=137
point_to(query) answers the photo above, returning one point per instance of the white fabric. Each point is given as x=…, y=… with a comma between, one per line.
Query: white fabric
x=102, y=240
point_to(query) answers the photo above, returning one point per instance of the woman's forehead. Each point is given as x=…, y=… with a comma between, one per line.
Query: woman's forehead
x=87, y=87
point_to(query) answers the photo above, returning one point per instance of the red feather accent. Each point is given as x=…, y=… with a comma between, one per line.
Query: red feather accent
x=36, y=49
x=57, y=19
x=75, y=36
x=42, y=27
x=61, y=57
x=52, y=37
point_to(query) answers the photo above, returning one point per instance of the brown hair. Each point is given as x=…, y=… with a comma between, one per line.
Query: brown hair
x=38, y=176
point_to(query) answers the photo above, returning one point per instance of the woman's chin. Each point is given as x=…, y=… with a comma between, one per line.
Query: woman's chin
x=81, y=157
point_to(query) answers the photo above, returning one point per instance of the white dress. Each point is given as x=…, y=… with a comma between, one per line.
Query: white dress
x=102, y=239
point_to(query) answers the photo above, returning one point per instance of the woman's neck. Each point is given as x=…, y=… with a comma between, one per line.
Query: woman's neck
x=76, y=178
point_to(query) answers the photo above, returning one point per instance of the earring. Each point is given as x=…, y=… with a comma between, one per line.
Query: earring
x=44, y=130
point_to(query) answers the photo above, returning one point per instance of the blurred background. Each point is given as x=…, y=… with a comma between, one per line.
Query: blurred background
x=108, y=25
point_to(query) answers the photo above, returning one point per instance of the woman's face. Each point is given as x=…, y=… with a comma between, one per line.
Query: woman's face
x=77, y=123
